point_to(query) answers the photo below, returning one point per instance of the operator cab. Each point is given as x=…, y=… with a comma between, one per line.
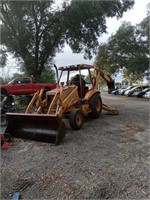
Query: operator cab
x=74, y=75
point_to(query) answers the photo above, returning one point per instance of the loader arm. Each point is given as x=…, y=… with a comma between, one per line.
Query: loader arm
x=68, y=102
x=38, y=99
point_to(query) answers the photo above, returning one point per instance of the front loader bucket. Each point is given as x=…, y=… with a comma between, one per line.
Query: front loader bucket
x=39, y=127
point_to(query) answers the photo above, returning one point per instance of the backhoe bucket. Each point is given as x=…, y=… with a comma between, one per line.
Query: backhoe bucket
x=111, y=86
x=39, y=127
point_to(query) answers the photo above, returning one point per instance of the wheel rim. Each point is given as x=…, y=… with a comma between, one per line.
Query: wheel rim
x=79, y=119
x=98, y=105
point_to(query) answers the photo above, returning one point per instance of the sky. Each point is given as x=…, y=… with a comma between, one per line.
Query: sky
x=66, y=57
x=135, y=16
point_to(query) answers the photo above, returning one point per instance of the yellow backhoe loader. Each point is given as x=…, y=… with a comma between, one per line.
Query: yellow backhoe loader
x=73, y=99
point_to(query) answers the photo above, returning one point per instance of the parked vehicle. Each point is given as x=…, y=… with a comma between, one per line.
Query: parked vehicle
x=115, y=92
x=142, y=93
x=25, y=85
x=121, y=89
x=7, y=105
x=147, y=95
x=125, y=89
x=129, y=90
x=134, y=89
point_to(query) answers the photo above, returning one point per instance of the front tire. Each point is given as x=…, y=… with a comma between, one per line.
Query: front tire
x=76, y=119
x=95, y=104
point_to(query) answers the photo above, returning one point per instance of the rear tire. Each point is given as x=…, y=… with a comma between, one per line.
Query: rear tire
x=3, y=120
x=95, y=104
x=76, y=119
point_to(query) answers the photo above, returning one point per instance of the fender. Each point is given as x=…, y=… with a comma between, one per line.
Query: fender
x=90, y=93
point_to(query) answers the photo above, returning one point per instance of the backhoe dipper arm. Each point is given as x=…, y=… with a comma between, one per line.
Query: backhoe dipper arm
x=110, y=82
x=111, y=86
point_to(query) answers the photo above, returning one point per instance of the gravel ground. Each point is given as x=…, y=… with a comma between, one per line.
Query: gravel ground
x=107, y=159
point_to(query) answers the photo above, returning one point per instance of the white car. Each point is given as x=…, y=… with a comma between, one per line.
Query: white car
x=122, y=91
x=147, y=95
x=127, y=92
x=134, y=89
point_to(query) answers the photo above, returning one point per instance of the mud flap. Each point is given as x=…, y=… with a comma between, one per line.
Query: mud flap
x=39, y=127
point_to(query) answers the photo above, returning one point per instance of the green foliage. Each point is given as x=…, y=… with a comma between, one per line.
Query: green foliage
x=87, y=21
x=17, y=75
x=35, y=31
x=3, y=58
x=130, y=78
x=48, y=76
x=102, y=59
x=127, y=49
x=22, y=101
x=14, y=76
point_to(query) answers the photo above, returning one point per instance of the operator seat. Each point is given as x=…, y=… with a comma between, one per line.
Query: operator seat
x=76, y=81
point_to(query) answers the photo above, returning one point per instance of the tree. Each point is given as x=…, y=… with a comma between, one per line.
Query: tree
x=3, y=58
x=126, y=49
x=35, y=31
x=48, y=75
x=102, y=58
x=130, y=78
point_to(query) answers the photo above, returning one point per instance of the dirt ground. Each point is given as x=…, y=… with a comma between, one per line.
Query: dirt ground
x=107, y=159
